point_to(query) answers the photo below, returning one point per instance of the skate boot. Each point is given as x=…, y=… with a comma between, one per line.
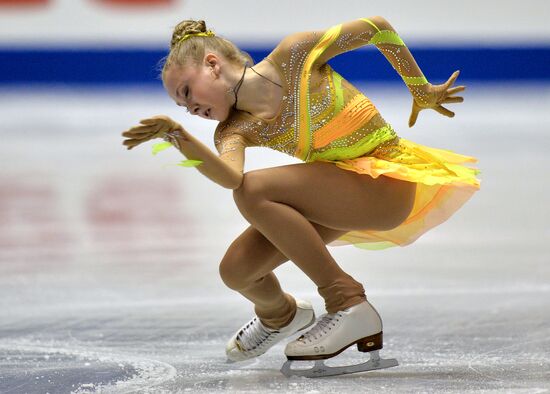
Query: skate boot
x=333, y=333
x=254, y=339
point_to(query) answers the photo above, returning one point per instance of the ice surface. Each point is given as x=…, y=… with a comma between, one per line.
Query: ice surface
x=109, y=259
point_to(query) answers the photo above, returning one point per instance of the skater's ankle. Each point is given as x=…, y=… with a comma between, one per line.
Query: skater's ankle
x=346, y=305
x=285, y=319
x=278, y=325
x=268, y=325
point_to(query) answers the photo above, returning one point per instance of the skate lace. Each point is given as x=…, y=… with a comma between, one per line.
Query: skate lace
x=323, y=326
x=254, y=335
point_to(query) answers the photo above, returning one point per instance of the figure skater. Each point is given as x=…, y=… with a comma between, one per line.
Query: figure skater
x=359, y=183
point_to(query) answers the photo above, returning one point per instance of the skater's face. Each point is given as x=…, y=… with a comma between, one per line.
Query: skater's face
x=200, y=88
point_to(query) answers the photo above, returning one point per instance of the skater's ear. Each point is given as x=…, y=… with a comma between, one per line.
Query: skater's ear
x=214, y=62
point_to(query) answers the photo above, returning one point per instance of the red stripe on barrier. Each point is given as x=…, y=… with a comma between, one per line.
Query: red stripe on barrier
x=23, y=2
x=137, y=2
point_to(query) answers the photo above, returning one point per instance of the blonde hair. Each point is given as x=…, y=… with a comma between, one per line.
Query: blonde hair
x=186, y=48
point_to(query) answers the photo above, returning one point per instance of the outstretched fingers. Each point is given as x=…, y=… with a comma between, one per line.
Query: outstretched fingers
x=455, y=89
x=452, y=100
x=444, y=111
x=149, y=128
x=452, y=79
x=148, y=121
x=131, y=143
x=138, y=130
x=139, y=134
x=439, y=94
x=414, y=115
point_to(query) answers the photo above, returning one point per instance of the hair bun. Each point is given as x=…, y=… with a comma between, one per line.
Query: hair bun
x=187, y=27
x=190, y=42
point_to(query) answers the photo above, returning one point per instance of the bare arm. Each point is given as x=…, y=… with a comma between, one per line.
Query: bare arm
x=378, y=31
x=226, y=169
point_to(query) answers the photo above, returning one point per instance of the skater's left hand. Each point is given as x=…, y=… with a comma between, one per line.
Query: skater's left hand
x=435, y=95
x=150, y=128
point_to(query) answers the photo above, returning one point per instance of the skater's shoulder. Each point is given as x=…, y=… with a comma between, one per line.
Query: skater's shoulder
x=236, y=125
x=294, y=44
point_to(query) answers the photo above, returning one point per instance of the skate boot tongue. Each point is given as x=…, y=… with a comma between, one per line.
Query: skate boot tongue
x=254, y=338
x=325, y=323
x=253, y=334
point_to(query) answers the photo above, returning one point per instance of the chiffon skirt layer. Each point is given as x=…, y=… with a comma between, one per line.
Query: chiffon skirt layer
x=444, y=184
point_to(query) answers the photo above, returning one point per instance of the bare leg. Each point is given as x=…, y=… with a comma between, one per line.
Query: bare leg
x=247, y=268
x=283, y=202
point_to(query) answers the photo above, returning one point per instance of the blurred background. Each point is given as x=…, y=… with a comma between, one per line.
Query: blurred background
x=108, y=258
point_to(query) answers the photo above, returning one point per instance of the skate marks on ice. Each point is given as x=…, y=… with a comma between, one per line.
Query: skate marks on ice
x=498, y=343
x=492, y=360
x=78, y=367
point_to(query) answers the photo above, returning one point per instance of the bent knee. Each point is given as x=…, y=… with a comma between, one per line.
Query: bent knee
x=229, y=274
x=233, y=268
x=251, y=189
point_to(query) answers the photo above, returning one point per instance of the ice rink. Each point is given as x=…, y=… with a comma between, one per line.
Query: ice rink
x=109, y=258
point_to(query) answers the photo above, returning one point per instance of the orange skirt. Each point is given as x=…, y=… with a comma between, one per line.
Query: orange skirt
x=444, y=184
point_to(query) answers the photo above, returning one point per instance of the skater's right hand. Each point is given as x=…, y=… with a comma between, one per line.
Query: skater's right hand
x=150, y=128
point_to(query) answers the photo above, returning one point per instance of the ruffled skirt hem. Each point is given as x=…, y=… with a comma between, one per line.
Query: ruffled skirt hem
x=444, y=185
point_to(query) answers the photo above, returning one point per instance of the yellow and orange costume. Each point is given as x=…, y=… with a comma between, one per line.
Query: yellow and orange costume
x=325, y=118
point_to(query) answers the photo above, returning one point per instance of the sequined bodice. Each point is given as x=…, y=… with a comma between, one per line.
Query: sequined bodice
x=328, y=94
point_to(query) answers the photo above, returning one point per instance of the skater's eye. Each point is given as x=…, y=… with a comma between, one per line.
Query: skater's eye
x=185, y=93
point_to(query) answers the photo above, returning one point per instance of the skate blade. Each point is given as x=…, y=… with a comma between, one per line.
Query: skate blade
x=320, y=369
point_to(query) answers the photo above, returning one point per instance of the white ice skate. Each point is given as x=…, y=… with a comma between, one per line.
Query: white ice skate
x=334, y=333
x=254, y=339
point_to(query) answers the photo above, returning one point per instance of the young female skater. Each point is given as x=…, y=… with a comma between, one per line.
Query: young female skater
x=360, y=183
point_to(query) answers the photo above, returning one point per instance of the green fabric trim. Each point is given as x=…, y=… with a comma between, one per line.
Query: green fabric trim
x=360, y=148
x=415, y=80
x=370, y=23
x=189, y=163
x=386, y=37
x=159, y=147
x=391, y=37
x=332, y=34
x=339, y=99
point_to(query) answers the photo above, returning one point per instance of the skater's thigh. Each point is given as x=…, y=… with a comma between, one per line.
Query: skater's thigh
x=325, y=193
x=255, y=254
